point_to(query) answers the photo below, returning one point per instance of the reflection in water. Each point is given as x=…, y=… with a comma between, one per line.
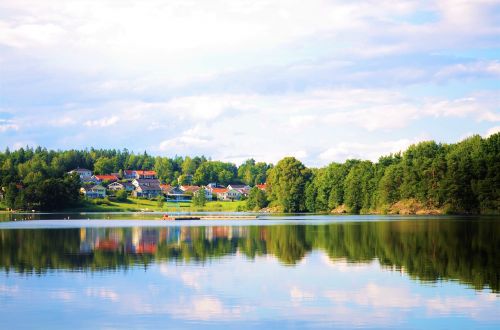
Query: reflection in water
x=468, y=251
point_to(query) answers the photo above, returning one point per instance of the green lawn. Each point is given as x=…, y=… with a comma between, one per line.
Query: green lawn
x=137, y=205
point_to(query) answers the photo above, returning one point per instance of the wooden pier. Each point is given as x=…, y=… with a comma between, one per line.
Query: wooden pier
x=209, y=217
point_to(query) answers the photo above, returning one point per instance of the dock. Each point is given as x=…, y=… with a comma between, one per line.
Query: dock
x=209, y=217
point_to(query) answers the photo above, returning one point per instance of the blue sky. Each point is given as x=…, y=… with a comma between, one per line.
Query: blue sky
x=320, y=80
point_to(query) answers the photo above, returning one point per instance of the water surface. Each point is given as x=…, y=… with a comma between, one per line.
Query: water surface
x=286, y=272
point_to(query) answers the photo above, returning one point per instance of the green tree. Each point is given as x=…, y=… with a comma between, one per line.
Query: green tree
x=121, y=195
x=199, y=198
x=103, y=166
x=359, y=187
x=11, y=194
x=287, y=183
x=257, y=199
x=160, y=201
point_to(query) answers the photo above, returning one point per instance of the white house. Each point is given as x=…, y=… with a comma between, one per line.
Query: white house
x=231, y=194
x=208, y=193
x=115, y=186
x=146, y=182
x=238, y=186
x=93, y=191
x=84, y=174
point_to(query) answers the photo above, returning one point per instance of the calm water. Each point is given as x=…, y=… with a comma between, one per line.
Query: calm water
x=289, y=272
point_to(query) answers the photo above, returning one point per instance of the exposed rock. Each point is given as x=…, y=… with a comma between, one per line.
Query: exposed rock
x=341, y=209
x=412, y=206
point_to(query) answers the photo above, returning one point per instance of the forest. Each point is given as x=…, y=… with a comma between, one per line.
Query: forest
x=459, y=178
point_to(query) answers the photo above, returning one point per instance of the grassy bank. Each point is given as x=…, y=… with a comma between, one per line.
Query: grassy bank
x=138, y=205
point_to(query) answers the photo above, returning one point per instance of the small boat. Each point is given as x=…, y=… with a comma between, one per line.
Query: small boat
x=179, y=217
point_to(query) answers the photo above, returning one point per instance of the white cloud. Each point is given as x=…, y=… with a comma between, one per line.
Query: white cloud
x=492, y=131
x=6, y=125
x=30, y=35
x=103, y=122
x=460, y=70
x=355, y=150
x=102, y=293
x=299, y=294
x=377, y=296
x=64, y=121
x=264, y=79
x=206, y=308
x=64, y=295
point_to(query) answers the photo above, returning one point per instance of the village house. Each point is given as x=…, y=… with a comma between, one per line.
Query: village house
x=208, y=193
x=238, y=186
x=190, y=189
x=146, y=182
x=139, y=174
x=243, y=189
x=214, y=185
x=165, y=188
x=231, y=195
x=195, y=189
x=218, y=192
x=93, y=191
x=178, y=195
x=129, y=174
x=84, y=174
x=115, y=186
x=147, y=191
x=103, y=178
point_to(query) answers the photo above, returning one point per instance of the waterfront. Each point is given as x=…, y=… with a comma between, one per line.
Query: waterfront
x=291, y=272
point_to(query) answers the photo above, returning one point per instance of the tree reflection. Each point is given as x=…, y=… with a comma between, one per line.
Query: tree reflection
x=468, y=251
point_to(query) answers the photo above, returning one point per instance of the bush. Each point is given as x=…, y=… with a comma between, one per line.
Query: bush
x=121, y=196
x=101, y=201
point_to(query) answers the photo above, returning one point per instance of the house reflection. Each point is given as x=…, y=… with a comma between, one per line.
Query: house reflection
x=139, y=240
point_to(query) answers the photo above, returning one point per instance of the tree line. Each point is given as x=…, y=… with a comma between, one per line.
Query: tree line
x=37, y=178
x=455, y=178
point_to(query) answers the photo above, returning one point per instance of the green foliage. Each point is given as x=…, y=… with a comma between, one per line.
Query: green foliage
x=359, y=187
x=464, y=251
x=287, y=184
x=103, y=166
x=257, y=199
x=252, y=173
x=459, y=178
x=199, y=198
x=160, y=201
x=121, y=195
x=215, y=171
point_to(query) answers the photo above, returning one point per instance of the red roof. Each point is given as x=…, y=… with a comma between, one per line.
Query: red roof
x=190, y=188
x=140, y=172
x=106, y=177
x=262, y=186
x=219, y=190
x=166, y=187
x=146, y=248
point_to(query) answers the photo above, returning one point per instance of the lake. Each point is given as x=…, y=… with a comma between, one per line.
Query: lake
x=130, y=271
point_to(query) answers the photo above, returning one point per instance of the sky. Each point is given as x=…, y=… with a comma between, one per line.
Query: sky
x=235, y=79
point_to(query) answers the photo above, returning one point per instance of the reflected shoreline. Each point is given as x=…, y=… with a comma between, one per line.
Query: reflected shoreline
x=426, y=250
